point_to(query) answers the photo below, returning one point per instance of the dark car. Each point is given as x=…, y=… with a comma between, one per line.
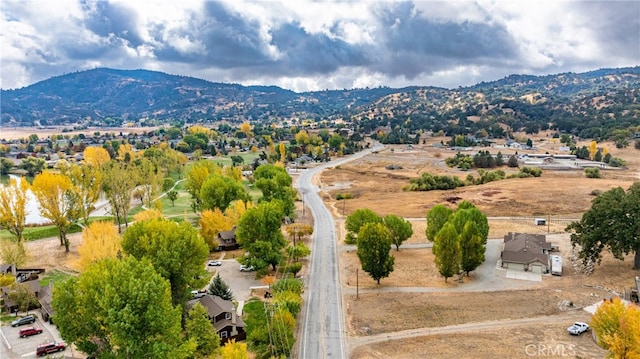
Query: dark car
x=49, y=348
x=27, y=332
x=29, y=319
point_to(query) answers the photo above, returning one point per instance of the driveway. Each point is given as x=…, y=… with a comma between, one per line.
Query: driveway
x=240, y=283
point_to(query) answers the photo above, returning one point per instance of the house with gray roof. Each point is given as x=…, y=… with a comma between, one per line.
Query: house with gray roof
x=526, y=252
x=224, y=317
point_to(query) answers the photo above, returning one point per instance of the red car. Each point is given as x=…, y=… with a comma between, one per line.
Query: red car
x=49, y=348
x=27, y=332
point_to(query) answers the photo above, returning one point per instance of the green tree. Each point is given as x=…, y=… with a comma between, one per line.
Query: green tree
x=357, y=220
x=275, y=183
x=220, y=288
x=5, y=165
x=446, y=248
x=198, y=329
x=258, y=232
x=399, y=229
x=32, y=165
x=467, y=212
x=22, y=295
x=472, y=247
x=176, y=250
x=298, y=251
x=173, y=196
x=612, y=223
x=120, y=309
x=118, y=185
x=436, y=218
x=374, y=242
x=219, y=191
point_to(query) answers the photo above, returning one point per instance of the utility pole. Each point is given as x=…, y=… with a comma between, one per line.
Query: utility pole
x=303, y=204
x=357, y=286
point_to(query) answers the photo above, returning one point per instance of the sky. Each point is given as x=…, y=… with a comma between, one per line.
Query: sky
x=306, y=45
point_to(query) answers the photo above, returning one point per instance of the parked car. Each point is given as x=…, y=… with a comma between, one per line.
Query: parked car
x=214, y=263
x=244, y=268
x=29, y=331
x=578, y=328
x=29, y=319
x=195, y=294
x=49, y=348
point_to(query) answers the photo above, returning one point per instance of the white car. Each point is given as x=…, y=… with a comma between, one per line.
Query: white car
x=244, y=268
x=214, y=263
x=578, y=328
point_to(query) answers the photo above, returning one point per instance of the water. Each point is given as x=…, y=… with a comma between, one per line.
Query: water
x=33, y=214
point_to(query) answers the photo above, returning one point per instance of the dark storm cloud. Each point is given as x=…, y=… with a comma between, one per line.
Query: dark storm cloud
x=416, y=44
x=615, y=24
x=305, y=53
x=108, y=19
x=228, y=40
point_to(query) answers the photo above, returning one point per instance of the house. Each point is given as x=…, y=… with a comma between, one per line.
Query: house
x=526, y=252
x=223, y=316
x=227, y=240
x=10, y=305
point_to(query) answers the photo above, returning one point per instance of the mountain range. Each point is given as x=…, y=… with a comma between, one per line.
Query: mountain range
x=106, y=96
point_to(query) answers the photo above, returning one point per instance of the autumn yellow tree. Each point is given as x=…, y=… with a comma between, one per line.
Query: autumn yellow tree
x=593, y=149
x=55, y=194
x=13, y=206
x=96, y=156
x=236, y=209
x=617, y=327
x=298, y=230
x=13, y=252
x=125, y=153
x=234, y=350
x=100, y=240
x=246, y=129
x=147, y=214
x=283, y=152
x=87, y=185
x=211, y=223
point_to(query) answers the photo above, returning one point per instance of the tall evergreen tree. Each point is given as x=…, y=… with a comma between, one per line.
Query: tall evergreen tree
x=220, y=288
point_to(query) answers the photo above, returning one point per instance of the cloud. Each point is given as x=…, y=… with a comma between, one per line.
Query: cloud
x=311, y=45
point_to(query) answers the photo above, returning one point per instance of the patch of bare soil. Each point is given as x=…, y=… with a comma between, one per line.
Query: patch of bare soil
x=548, y=340
x=49, y=254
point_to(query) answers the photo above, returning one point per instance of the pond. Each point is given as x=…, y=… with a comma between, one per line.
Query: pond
x=33, y=214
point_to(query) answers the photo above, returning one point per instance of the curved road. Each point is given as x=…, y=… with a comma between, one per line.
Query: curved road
x=323, y=334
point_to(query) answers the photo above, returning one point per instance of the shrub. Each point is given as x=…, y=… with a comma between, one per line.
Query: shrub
x=530, y=172
x=429, y=182
x=289, y=285
x=592, y=172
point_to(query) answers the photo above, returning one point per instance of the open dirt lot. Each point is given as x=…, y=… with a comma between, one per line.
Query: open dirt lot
x=414, y=309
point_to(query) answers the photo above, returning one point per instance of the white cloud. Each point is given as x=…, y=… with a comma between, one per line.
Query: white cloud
x=313, y=45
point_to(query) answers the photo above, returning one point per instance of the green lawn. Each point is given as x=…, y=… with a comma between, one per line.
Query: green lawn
x=55, y=275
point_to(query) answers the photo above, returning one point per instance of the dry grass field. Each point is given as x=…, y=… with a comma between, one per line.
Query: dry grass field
x=11, y=133
x=415, y=296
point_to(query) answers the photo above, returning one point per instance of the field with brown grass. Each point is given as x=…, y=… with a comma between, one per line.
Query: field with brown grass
x=414, y=314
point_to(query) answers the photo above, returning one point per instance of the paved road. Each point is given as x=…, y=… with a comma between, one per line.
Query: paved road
x=323, y=334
